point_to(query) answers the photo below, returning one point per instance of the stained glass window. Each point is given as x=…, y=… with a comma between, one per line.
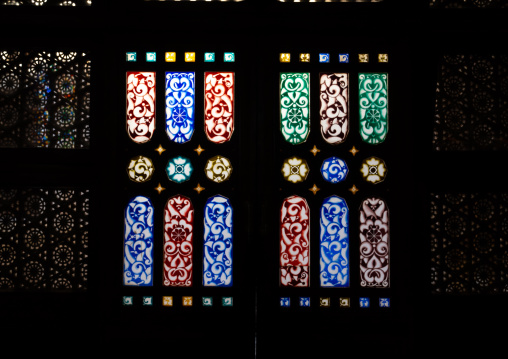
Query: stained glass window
x=140, y=106
x=178, y=241
x=218, y=243
x=138, y=242
x=468, y=249
x=373, y=103
x=295, y=107
x=44, y=239
x=374, y=243
x=294, y=242
x=471, y=113
x=334, y=243
x=44, y=99
x=180, y=106
x=219, y=106
x=334, y=106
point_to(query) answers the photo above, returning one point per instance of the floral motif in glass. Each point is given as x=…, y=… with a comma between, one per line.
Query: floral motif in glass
x=218, y=169
x=218, y=243
x=334, y=110
x=373, y=170
x=180, y=92
x=373, y=102
x=295, y=107
x=374, y=243
x=294, y=242
x=334, y=243
x=140, y=106
x=140, y=169
x=219, y=106
x=138, y=242
x=295, y=169
x=179, y=169
x=178, y=245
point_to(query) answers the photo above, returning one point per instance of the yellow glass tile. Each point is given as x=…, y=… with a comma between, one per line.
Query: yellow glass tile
x=363, y=57
x=187, y=301
x=170, y=56
x=382, y=57
x=167, y=301
x=305, y=57
x=190, y=57
x=285, y=57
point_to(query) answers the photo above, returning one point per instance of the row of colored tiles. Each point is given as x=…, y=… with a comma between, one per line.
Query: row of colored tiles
x=285, y=302
x=218, y=169
x=285, y=57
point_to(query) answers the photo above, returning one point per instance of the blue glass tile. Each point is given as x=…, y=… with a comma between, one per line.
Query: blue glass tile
x=344, y=58
x=334, y=170
x=218, y=243
x=324, y=58
x=334, y=243
x=180, y=98
x=364, y=302
x=384, y=302
x=304, y=302
x=285, y=302
x=138, y=242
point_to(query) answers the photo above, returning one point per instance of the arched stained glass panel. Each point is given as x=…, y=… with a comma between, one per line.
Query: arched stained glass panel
x=294, y=242
x=334, y=243
x=219, y=106
x=178, y=244
x=334, y=107
x=180, y=99
x=138, y=242
x=295, y=106
x=374, y=243
x=218, y=243
x=140, y=106
x=373, y=101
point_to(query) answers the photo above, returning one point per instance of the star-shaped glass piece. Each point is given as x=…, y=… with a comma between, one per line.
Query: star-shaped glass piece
x=353, y=151
x=314, y=189
x=198, y=189
x=354, y=189
x=199, y=150
x=160, y=149
x=315, y=150
x=159, y=188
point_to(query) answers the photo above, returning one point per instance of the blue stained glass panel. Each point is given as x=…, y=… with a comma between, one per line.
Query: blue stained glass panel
x=334, y=243
x=138, y=242
x=334, y=170
x=218, y=243
x=180, y=92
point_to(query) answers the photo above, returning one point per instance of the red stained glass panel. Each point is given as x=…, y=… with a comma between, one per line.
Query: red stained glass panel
x=294, y=242
x=178, y=246
x=140, y=106
x=219, y=106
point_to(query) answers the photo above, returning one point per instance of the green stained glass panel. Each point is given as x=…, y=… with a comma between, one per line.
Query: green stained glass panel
x=294, y=106
x=373, y=101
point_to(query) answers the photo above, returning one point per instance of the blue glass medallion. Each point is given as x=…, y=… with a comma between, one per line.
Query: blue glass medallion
x=334, y=170
x=218, y=243
x=334, y=243
x=138, y=242
x=180, y=92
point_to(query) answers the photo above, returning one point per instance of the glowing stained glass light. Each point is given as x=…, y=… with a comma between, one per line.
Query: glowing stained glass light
x=294, y=242
x=334, y=170
x=295, y=107
x=178, y=244
x=219, y=106
x=138, y=242
x=140, y=169
x=180, y=92
x=218, y=243
x=334, y=110
x=295, y=169
x=334, y=243
x=179, y=169
x=374, y=243
x=373, y=170
x=373, y=101
x=218, y=169
x=140, y=106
